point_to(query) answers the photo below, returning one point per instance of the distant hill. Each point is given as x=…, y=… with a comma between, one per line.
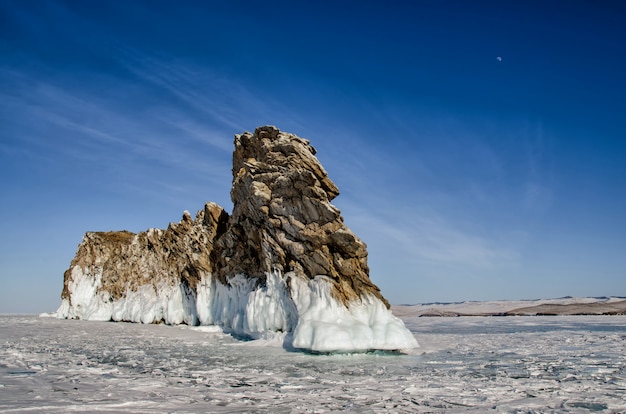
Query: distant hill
x=562, y=306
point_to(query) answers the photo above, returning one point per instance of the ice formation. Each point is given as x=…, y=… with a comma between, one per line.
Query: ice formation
x=283, y=263
x=304, y=311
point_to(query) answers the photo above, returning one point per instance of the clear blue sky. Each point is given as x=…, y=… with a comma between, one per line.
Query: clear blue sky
x=479, y=146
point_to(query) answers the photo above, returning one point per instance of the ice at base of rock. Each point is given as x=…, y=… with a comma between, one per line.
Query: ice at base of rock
x=304, y=310
x=326, y=325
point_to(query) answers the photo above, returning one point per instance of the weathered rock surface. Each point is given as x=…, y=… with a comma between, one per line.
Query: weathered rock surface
x=283, y=219
x=179, y=254
x=157, y=260
x=284, y=261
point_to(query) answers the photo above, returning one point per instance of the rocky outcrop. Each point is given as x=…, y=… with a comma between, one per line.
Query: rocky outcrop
x=181, y=253
x=283, y=219
x=123, y=263
x=284, y=261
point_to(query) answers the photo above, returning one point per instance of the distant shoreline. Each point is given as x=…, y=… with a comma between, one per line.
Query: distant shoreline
x=541, y=307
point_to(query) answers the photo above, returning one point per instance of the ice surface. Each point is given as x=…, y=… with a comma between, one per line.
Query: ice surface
x=569, y=364
x=305, y=309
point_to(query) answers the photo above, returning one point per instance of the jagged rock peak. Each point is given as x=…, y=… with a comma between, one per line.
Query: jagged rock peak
x=282, y=262
x=270, y=150
x=283, y=219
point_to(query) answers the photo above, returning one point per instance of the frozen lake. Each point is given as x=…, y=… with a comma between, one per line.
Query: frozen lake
x=469, y=364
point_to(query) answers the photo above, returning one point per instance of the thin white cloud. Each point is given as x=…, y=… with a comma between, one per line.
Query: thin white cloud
x=408, y=209
x=432, y=240
x=537, y=192
x=106, y=146
x=95, y=121
x=212, y=95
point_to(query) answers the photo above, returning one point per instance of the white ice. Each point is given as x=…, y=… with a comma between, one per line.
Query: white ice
x=304, y=311
x=566, y=364
x=326, y=325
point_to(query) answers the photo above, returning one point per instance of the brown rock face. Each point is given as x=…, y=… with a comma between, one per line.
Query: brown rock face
x=283, y=219
x=179, y=254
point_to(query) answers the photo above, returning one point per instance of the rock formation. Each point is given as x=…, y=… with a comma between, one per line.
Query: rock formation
x=129, y=269
x=284, y=261
x=283, y=219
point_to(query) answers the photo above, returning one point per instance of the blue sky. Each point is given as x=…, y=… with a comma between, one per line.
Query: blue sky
x=479, y=147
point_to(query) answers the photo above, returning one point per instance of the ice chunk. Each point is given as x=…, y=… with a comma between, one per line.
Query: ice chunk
x=326, y=325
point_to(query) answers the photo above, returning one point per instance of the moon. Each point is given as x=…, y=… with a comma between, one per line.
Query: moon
x=499, y=58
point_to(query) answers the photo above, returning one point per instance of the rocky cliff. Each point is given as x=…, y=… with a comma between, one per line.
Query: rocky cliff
x=112, y=269
x=283, y=219
x=284, y=261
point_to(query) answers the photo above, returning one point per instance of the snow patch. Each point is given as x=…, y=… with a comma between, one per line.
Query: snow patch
x=207, y=329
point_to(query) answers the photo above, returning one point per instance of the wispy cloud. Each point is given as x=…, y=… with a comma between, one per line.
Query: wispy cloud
x=450, y=206
x=102, y=145
x=203, y=91
x=415, y=235
x=537, y=193
x=93, y=121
